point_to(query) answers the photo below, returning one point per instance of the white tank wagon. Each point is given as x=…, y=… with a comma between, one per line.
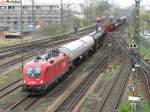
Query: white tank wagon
x=83, y=47
x=74, y=49
x=89, y=42
x=77, y=48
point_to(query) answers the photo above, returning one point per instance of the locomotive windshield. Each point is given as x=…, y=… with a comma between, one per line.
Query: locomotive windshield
x=33, y=71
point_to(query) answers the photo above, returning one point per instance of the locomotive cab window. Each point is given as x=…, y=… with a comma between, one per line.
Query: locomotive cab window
x=33, y=71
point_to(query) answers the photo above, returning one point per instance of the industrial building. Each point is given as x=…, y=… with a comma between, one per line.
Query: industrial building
x=10, y=15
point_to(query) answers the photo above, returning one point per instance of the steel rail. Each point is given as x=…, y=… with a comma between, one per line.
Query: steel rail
x=83, y=87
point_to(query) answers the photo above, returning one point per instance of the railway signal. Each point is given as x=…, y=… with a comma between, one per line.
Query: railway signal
x=134, y=55
x=135, y=59
x=133, y=45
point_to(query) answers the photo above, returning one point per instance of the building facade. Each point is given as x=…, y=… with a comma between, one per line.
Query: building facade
x=10, y=15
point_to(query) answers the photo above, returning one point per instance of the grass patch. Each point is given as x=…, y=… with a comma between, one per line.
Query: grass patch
x=144, y=52
x=107, y=76
x=6, y=42
x=145, y=107
x=10, y=77
x=90, y=103
x=124, y=107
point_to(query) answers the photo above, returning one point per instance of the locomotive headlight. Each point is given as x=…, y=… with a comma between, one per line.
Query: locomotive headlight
x=24, y=81
x=41, y=81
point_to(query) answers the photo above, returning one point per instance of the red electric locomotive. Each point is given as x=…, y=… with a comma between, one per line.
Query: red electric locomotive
x=40, y=73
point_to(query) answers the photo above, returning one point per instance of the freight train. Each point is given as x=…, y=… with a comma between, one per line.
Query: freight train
x=39, y=74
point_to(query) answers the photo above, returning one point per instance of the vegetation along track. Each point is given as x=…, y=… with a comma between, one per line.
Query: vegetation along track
x=69, y=102
x=112, y=95
x=9, y=51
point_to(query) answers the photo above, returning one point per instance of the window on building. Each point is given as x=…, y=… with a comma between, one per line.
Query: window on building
x=3, y=8
x=8, y=22
x=15, y=22
x=8, y=17
x=29, y=17
x=25, y=7
x=37, y=7
x=50, y=7
x=9, y=7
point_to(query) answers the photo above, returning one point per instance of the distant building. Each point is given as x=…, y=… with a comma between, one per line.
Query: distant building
x=10, y=15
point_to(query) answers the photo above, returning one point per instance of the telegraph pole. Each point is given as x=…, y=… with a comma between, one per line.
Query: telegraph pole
x=69, y=14
x=81, y=5
x=61, y=12
x=33, y=13
x=21, y=30
x=137, y=17
x=135, y=60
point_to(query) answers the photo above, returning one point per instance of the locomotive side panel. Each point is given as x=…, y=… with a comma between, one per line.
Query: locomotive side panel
x=56, y=69
x=50, y=74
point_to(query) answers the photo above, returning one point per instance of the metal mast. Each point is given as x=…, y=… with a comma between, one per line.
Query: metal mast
x=137, y=17
x=61, y=12
x=21, y=30
x=33, y=13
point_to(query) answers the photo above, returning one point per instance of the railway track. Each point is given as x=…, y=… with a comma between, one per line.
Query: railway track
x=16, y=49
x=112, y=95
x=69, y=102
x=53, y=43
x=145, y=68
x=17, y=60
x=26, y=102
x=10, y=88
x=146, y=71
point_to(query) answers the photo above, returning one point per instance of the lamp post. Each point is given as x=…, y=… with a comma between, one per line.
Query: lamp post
x=137, y=40
x=69, y=15
x=61, y=12
x=21, y=36
x=137, y=16
x=81, y=5
x=21, y=28
x=33, y=15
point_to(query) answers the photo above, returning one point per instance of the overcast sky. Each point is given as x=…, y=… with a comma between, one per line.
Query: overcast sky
x=121, y=3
